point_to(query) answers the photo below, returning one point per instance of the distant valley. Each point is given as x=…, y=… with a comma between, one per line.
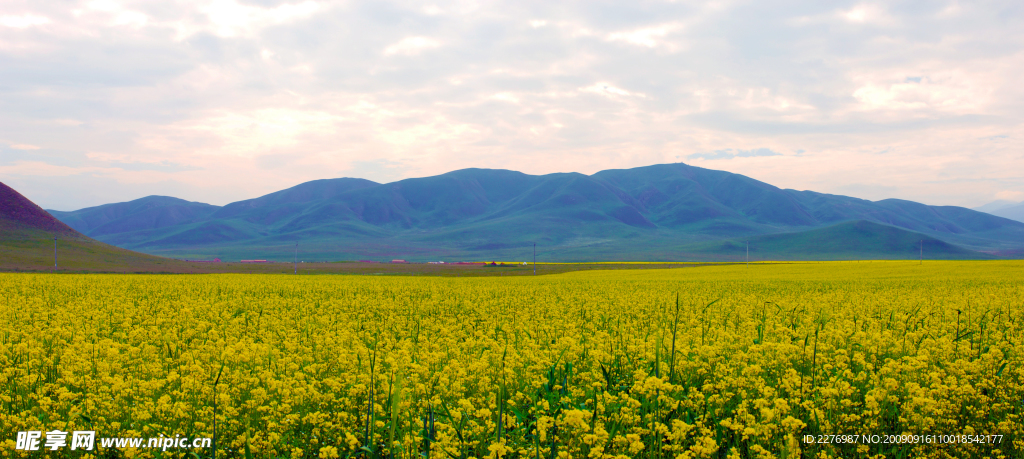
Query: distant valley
x=669, y=212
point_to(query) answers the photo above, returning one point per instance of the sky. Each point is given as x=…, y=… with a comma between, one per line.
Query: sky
x=222, y=100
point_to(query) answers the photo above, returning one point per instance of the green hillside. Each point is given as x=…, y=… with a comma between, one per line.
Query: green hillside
x=857, y=240
x=27, y=244
x=648, y=213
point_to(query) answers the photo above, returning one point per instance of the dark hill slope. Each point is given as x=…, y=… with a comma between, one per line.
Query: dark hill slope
x=27, y=243
x=678, y=194
x=856, y=240
x=17, y=213
x=681, y=193
x=261, y=219
x=268, y=209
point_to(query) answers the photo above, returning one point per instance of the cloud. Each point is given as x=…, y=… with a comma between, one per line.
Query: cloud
x=606, y=89
x=941, y=91
x=115, y=14
x=245, y=133
x=410, y=46
x=1010, y=195
x=648, y=37
x=134, y=163
x=729, y=153
x=866, y=13
x=229, y=99
x=229, y=18
x=23, y=21
x=24, y=146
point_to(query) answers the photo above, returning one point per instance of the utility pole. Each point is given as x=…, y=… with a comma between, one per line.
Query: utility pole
x=54, y=253
x=534, y=258
x=296, y=258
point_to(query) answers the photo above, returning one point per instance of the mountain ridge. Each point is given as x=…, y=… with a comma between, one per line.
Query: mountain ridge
x=34, y=240
x=1005, y=209
x=149, y=211
x=18, y=213
x=470, y=211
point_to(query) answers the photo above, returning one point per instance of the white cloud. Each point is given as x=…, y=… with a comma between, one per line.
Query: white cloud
x=42, y=169
x=956, y=92
x=866, y=14
x=506, y=97
x=23, y=21
x=122, y=158
x=411, y=46
x=117, y=14
x=1010, y=195
x=219, y=86
x=24, y=146
x=649, y=37
x=229, y=18
x=606, y=89
x=245, y=133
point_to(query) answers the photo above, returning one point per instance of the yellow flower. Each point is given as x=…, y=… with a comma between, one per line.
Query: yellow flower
x=329, y=452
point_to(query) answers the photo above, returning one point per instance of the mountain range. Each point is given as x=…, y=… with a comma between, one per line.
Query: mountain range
x=1005, y=209
x=660, y=212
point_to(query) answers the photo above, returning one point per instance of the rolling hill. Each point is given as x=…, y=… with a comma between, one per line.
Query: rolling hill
x=149, y=212
x=648, y=212
x=28, y=244
x=855, y=240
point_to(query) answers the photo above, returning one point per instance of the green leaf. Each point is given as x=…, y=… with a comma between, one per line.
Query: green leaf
x=520, y=417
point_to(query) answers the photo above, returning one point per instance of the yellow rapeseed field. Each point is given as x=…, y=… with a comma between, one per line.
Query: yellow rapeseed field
x=884, y=359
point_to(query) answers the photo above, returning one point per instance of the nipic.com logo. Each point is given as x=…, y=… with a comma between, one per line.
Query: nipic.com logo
x=85, y=440
x=55, y=439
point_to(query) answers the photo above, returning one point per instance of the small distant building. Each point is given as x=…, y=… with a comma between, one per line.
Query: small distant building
x=215, y=260
x=254, y=261
x=399, y=261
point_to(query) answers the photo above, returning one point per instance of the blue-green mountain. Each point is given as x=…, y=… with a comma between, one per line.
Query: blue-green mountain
x=661, y=212
x=1005, y=209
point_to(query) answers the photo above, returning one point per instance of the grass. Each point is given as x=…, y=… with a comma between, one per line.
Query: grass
x=32, y=251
